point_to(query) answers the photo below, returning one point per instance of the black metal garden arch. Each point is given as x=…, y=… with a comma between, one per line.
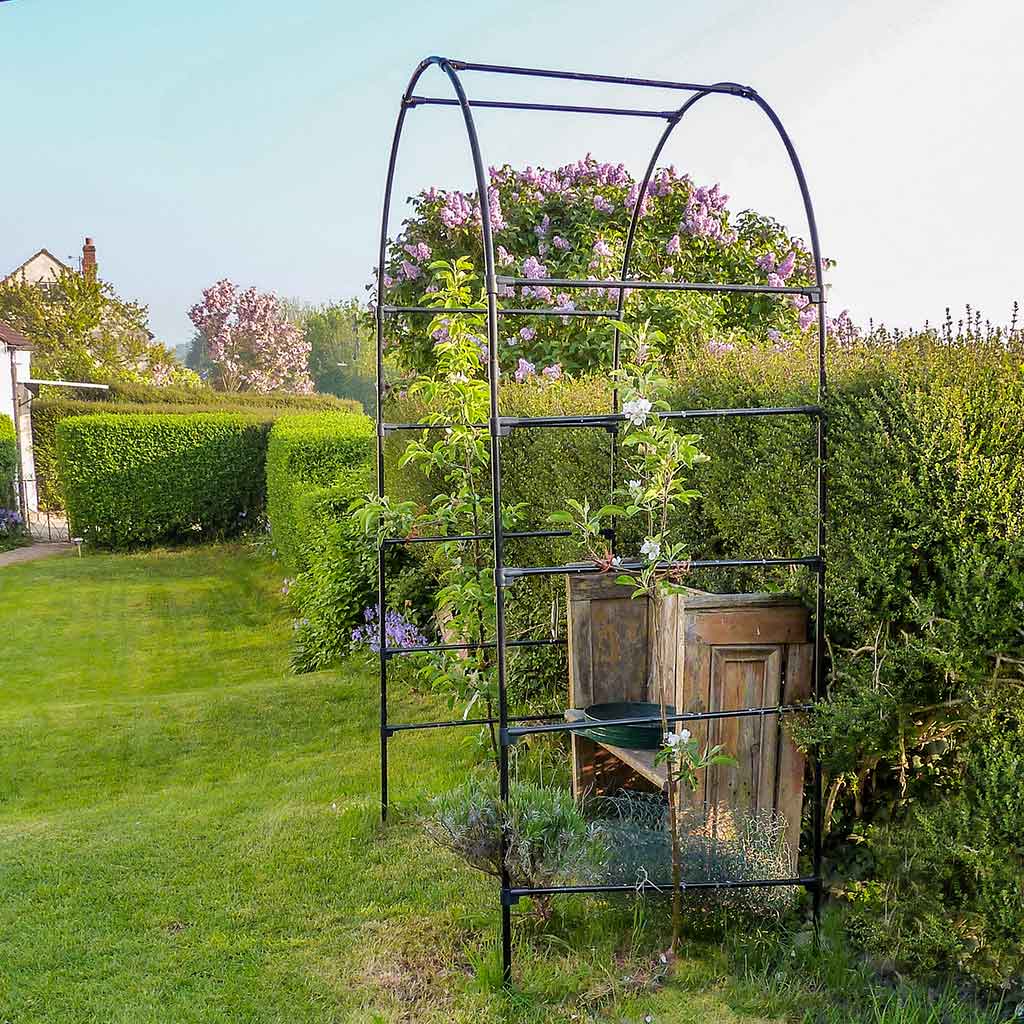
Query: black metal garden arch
x=498, y=426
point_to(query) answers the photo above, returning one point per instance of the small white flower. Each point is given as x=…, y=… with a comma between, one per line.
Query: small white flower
x=636, y=411
x=650, y=549
x=684, y=735
x=616, y=561
x=673, y=739
x=635, y=486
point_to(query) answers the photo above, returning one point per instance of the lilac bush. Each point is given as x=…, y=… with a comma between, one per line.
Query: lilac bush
x=571, y=222
x=250, y=342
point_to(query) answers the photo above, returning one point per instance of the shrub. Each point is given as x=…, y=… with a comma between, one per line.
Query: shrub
x=548, y=839
x=305, y=453
x=317, y=464
x=136, y=480
x=571, y=222
x=926, y=574
x=147, y=399
x=8, y=460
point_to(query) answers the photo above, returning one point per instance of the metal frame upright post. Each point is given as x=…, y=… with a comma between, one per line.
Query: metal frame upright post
x=497, y=426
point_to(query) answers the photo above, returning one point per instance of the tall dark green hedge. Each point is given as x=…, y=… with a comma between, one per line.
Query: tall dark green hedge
x=142, y=479
x=316, y=465
x=925, y=605
x=8, y=461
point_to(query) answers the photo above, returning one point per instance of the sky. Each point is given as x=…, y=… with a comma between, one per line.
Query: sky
x=249, y=140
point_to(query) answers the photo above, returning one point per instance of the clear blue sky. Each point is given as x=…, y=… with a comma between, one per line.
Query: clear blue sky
x=196, y=140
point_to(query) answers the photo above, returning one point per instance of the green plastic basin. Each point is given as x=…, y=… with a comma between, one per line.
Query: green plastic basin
x=635, y=737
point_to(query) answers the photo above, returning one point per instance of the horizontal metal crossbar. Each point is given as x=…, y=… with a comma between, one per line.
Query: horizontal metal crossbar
x=508, y=535
x=392, y=727
x=729, y=88
x=686, y=716
x=609, y=419
x=665, y=888
x=487, y=645
x=511, y=574
x=562, y=108
x=810, y=292
x=439, y=310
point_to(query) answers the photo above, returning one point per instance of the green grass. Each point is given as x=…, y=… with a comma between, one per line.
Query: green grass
x=190, y=833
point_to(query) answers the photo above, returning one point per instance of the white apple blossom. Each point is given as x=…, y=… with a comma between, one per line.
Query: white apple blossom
x=636, y=411
x=650, y=549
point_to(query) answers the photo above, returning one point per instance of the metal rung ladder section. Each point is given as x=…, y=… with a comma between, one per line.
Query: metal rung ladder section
x=510, y=729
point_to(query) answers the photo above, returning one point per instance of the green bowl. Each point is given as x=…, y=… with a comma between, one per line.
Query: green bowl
x=634, y=737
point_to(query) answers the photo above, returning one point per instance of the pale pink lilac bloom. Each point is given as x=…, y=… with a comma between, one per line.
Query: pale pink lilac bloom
x=672, y=247
x=527, y=333
x=524, y=369
x=552, y=372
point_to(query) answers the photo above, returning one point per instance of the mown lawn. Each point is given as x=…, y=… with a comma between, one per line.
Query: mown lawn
x=188, y=832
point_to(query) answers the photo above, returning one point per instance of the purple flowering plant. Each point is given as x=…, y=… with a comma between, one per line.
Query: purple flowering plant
x=571, y=222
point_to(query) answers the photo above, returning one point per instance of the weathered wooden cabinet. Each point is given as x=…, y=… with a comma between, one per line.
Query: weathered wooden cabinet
x=720, y=652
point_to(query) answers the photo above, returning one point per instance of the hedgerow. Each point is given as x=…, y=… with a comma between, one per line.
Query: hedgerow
x=317, y=464
x=144, y=399
x=925, y=599
x=133, y=480
x=8, y=460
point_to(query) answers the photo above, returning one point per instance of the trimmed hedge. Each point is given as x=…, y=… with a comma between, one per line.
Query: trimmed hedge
x=305, y=453
x=925, y=599
x=316, y=465
x=149, y=394
x=8, y=461
x=145, y=399
x=131, y=480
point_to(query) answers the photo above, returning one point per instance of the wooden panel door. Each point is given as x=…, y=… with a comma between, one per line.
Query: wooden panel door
x=609, y=660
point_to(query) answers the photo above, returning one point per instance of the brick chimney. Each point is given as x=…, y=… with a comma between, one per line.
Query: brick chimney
x=89, y=260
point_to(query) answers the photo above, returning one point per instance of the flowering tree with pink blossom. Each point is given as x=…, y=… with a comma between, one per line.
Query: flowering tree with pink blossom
x=572, y=222
x=248, y=342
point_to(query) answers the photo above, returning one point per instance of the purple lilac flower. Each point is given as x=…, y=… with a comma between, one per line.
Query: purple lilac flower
x=603, y=205
x=398, y=631
x=562, y=300
x=504, y=256
x=560, y=243
x=542, y=229
x=553, y=372
x=543, y=293
x=716, y=348
x=420, y=251
x=601, y=248
x=767, y=261
x=410, y=271
x=542, y=248
x=457, y=210
x=807, y=317
x=774, y=281
x=773, y=334
x=527, y=333
x=533, y=268
x=388, y=281
x=673, y=245
x=524, y=369
x=785, y=268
